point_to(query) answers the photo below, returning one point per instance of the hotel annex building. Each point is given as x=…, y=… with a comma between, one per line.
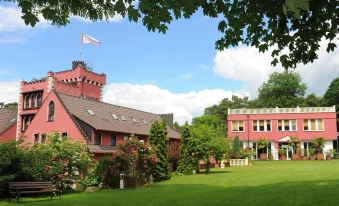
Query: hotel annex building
x=278, y=125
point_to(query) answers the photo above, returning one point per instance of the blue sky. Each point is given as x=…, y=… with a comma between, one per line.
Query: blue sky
x=180, y=60
x=178, y=72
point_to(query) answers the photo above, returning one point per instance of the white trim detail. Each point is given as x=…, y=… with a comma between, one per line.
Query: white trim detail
x=282, y=110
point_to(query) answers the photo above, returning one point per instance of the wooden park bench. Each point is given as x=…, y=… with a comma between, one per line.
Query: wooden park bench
x=19, y=188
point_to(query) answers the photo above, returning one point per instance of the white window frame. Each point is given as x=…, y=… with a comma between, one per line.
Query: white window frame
x=289, y=124
x=265, y=125
x=243, y=126
x=316, y=125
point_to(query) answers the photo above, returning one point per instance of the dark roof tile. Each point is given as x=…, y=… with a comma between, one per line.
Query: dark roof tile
x=101, y=149
x=7, y=118
x=103, y=119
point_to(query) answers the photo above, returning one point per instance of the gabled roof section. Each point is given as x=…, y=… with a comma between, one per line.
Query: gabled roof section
x=7, y=118
x=285, y=139
x=103, y=119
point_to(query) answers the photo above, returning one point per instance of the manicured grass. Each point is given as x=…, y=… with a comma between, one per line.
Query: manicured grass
x=264, y=183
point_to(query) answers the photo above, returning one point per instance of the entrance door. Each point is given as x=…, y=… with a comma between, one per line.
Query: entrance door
x=289, y=151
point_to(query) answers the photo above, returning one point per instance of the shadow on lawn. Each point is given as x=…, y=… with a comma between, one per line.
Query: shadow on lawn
x=283, y=193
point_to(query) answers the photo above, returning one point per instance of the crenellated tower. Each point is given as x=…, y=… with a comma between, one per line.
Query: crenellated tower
x=78, y=81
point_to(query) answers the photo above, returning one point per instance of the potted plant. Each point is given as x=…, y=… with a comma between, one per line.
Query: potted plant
x=312, y=152
x=330, y=154
x=262, y=145
x=282, y=154
x=335, y=154
x=293, y=142
x=319, y=143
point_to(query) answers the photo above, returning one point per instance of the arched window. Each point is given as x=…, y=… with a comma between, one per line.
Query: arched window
x=33, y=101
x=27, y=103
x=51, y=108
x=39, y=100
x=25, y=122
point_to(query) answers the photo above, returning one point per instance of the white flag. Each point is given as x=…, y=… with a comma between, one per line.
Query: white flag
x=86, y=39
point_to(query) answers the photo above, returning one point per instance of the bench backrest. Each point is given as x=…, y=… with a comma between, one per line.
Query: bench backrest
x=32, y=186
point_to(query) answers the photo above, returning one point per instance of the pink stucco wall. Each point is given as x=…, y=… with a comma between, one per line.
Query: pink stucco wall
x=105, y=135
x=329, y=132
x=80, y=72
x=62, y=122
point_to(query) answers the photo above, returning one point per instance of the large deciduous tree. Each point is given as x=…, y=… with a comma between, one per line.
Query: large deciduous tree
x=209, y=141
x=186, y=159
x=282, y=90
x=312, y=101
x=220, y=110
x=159, y=141
x=292, y=29
x=331, y=97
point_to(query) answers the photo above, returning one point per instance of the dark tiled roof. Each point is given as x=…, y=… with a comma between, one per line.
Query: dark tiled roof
x=101, y=149
x=102, y=118
x=7, y=118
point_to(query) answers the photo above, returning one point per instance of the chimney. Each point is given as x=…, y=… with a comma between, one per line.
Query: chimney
x=168, y=118
x=77, y=63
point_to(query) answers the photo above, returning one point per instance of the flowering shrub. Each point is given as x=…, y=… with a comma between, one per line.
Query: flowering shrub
x=134, y=159
x=61, y=161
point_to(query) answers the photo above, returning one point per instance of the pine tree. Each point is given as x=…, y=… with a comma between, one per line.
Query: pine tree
x=159, y=142
x=236, y=147
x=186, y=160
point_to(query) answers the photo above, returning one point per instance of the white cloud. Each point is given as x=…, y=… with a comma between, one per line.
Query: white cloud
x=12, y=39
x=245, y=64
x=151, y=98
x=252, y=68
x=202, y=66
x=187, y=76
x=4, y=72
x=10, y=20
x=9, y=91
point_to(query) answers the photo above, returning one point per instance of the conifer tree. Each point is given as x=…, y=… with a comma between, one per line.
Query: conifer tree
x=236, y=147
x=186, y=160
x=159, y=142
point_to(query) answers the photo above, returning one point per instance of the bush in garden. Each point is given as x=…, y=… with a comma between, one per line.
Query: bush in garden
x=12, y=161
x=91, y=180
x=61, y=161
x=134, y=159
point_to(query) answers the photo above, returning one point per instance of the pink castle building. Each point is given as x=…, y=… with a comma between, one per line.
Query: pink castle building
x=278, y=125
x=70, y=103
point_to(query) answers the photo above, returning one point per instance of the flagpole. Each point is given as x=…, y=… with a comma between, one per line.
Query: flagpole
x=80, y=53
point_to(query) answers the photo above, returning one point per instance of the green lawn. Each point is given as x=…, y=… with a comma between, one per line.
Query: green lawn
x=264, y=183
